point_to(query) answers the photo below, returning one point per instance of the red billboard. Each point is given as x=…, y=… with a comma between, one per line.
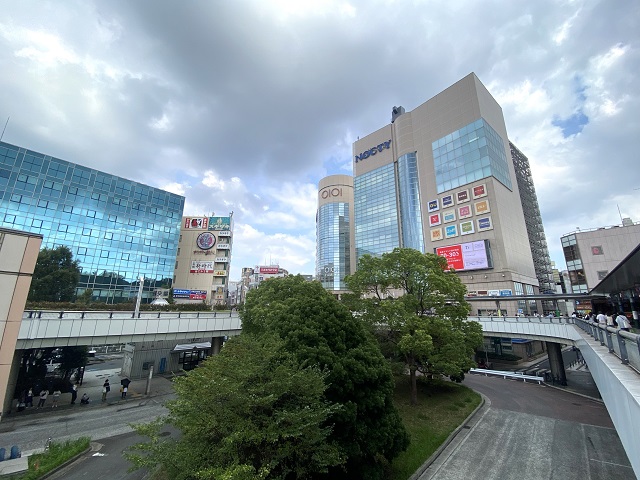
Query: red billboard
x=467, y=256
x=268, y=270
x=196, y=223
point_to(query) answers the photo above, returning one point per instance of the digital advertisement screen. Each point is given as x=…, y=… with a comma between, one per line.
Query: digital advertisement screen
x=467, y=256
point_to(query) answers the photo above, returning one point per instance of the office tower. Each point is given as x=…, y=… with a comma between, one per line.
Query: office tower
x=203, y=261
x=334, y=232
x=440, y=179
x=118, y=229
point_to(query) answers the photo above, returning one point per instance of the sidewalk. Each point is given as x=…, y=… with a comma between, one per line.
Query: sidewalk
x=92, y=385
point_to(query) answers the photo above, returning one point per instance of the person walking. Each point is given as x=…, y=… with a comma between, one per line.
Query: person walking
x=602, y=319
x=44, y=393
x=74, y=393
x=56, y=397
x=29, y=400
x=610, y=322
x=124, y=389
x=106, y=388
x=623, y=322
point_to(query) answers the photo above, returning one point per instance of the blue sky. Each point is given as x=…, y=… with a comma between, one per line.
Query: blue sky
x=243, y=106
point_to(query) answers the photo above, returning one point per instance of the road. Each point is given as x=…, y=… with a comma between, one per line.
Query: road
x=533, y=432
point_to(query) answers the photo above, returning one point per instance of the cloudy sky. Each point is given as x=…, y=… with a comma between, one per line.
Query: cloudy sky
x=244, y=105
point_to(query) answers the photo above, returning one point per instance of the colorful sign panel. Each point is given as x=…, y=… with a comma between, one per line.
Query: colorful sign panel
x=434, y=220
x=466, y=256
x=479, y=191
x=433, y=205
x=190, y=294
x=482, y=207
x=449, y=216
x=268, y=270
x=451, y=231
x=436, y=234
x=462, y=196
x=196, y=223
x=219, y=223
x=466, y=228
x=202, y=266
x=447, y=201
x=484, y=224
x=464, y=212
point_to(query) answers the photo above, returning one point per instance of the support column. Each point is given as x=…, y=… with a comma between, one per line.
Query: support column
x=556, y=362
x=216, y=345
x=12, y=380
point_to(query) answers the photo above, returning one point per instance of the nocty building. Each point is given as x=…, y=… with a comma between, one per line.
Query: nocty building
x=441, y=179
x=119, y=230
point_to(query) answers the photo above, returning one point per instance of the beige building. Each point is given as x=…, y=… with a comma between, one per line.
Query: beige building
x=591, y=254
x=18, y=256
x=335, y=246
x=203, y=260
x=441, y=179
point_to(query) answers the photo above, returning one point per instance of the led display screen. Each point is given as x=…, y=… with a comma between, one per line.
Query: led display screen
x=467, y=256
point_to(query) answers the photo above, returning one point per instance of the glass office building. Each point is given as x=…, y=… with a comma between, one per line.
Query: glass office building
x=118, y=230
x=334, y=232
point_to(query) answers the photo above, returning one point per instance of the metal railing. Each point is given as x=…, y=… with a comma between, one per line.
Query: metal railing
x=514, y=375
x=93, y=314
x=625, y=345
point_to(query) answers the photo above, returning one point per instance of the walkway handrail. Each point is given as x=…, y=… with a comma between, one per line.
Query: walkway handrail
x=625, y=345
x=81, y=314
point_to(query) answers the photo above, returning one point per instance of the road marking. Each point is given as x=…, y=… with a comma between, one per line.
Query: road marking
x=610, y=463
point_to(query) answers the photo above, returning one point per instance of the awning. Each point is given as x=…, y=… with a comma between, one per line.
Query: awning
x=192, y=346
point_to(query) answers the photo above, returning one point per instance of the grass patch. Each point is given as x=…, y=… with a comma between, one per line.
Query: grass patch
x=42, y=463
x=442, y=407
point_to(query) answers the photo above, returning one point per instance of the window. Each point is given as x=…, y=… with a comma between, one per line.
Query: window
x=602, y=274
x=81, y=175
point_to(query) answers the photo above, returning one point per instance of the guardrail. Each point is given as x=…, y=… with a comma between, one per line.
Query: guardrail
x=500, y=373
x=92, y=314
x=625, y=345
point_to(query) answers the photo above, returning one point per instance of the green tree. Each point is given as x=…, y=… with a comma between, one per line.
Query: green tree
x=417, y=306
x=251, y=412
x=55, y=277
x=320, y=331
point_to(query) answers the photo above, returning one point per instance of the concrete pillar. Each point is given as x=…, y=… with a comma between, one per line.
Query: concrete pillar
x=216, y=345
x=12, y=381
x=556, y=363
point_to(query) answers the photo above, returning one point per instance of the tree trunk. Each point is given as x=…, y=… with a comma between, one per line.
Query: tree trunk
x=414, y=385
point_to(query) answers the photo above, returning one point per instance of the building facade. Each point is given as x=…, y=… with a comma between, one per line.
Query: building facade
x=334, y=233
x=18, y=256
x=118, y=229
x=203, y=260
x=591, y=254
x=441, y=179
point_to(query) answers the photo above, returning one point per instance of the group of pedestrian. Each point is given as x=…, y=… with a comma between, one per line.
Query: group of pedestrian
x=606, y=319
x=27, y=400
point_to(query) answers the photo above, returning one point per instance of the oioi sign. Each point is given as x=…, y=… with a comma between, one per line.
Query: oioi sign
x=373, y=150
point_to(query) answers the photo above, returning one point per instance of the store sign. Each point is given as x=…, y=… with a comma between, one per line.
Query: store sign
x=268, y=270
x=466, y=256
x=196, y=223
x=222, y=259
x=190, y=294
x=331, y=192
x=506, y=293
x=219, y=223
x=372, y=151
x=205, y=240
x=220, y=273
x=202, y=266
x=223, y=246
x=224, y=233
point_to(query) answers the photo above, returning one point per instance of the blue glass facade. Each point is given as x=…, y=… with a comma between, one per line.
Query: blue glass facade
x=474, y=152
x=410, y=210
x=376, y=212
x=117, y=229
x=333, y=258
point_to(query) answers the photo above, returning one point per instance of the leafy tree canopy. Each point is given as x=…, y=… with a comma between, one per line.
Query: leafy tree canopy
x=416, y=305
x=251, y=412
x=320, y=331
x=55, y=277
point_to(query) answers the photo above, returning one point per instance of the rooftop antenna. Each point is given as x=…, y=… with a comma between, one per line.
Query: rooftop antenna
x=5, y=127
x=621, y=220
